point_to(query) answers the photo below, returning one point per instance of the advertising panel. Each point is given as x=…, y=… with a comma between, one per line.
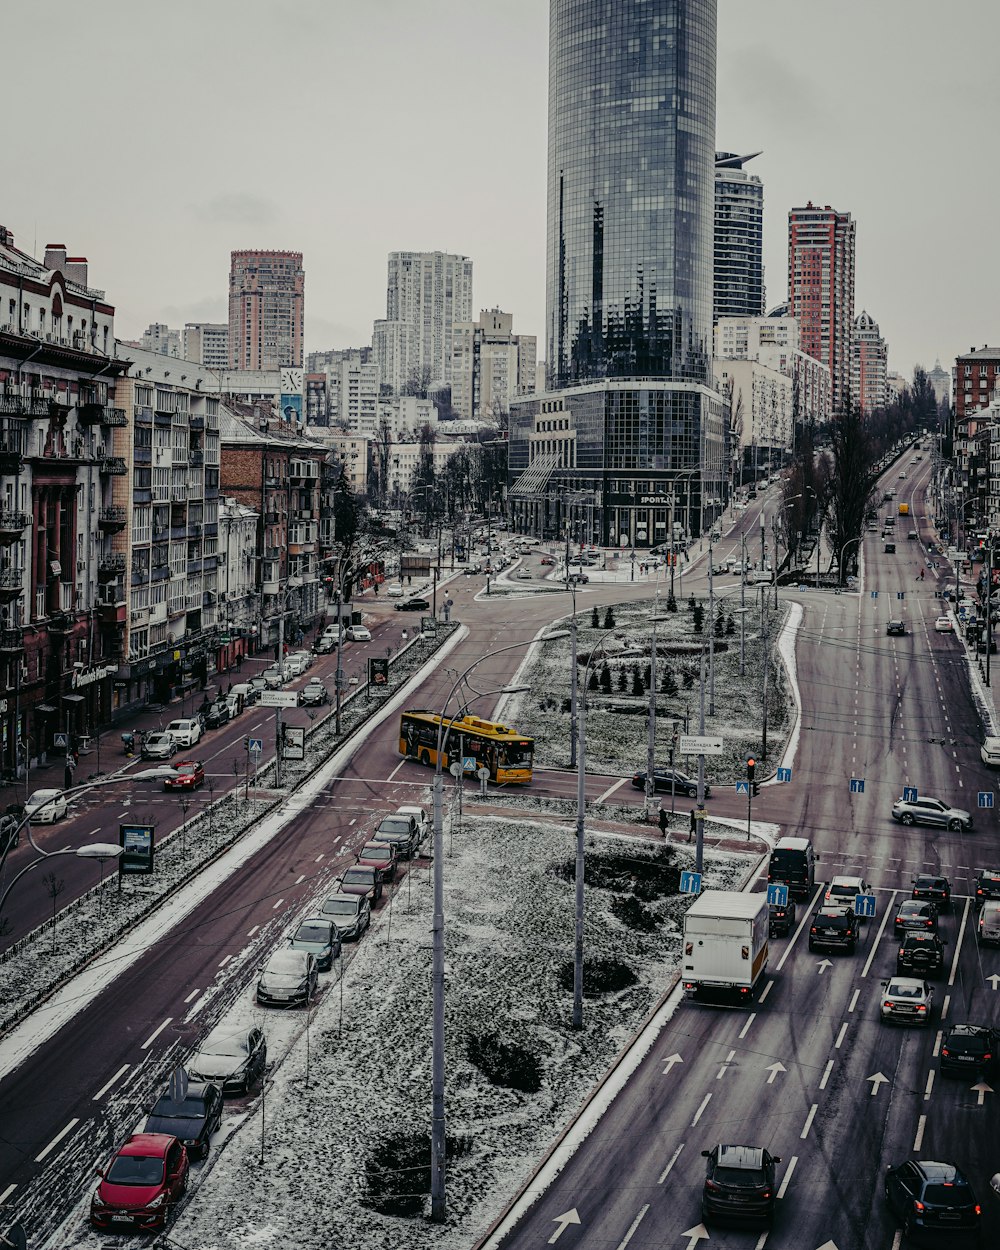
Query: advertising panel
x=294, y=742
x=378, y=671
x=136, y=842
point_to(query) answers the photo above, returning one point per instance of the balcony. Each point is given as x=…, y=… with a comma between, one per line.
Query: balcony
x=12, y=526
x=114, y=519
x=90, y=412
x=109, y=613
x=20, y=406
x=61, y=622
x=11, y=584
x=196, y=422
x=196, y=456
x=13, y=444
x=111, y=567
x=114, y=416
x=115, y=465
x=11, y=641
x=142, y=416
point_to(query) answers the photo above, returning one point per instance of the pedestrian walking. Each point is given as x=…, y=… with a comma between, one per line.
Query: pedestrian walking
x=68, y=776
x=694, y=825
x=663, y=820
x=239, y=662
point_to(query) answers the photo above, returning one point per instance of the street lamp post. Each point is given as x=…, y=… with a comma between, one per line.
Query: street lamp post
x=711, y=631
x=651, y=715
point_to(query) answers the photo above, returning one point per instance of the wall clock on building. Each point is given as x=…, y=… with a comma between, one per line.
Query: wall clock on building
x=291, y=381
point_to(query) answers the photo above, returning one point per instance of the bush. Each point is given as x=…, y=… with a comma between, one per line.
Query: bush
x=606, y=678
x=505, y=1063
x=623, y=680
x=397, y=1172
x=692, y=604
x=609, y=618
x=671, y=603
x=668, y=684
x=651, y=876
x=637, y=686
x=600, y=976
x=633, y=915
x=719, y=626
x=594, y=682
x=688, y=677
x=730, y=627
x=698, y=614
x=595, y=618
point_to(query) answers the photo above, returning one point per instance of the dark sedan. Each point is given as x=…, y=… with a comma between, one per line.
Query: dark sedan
x=969, y=1049
x=217, y=715
x=933, y=889
x=362, y=879
x=192, y=1119
x=413, y=605
x=920, y=955
x=915, y=914
x=670, y=780
x=781, y=918
x=233, y=1057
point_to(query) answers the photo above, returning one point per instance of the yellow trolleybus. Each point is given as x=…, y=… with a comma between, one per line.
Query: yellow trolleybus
x=480, y=743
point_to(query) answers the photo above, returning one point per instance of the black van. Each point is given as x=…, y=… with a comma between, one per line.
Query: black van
x=793, y=863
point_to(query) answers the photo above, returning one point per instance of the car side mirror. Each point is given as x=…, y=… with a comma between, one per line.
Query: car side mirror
x=705, y=1154
x=98, y=1172
x=775, y=1158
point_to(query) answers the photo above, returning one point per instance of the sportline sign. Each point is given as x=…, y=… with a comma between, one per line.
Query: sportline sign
x=700, y=744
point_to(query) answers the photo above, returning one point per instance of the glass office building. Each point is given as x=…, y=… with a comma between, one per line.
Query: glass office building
x=629, y=414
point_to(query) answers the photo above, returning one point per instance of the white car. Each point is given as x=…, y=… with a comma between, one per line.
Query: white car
x=841, y=891
x=990, y=752
x=275, y=677
x=295, y=665
x=944, y=625
x=306, y=657
x=394, y=591
x=359, y=633
x=185, y=732
x=906, y=1000
x=420, y=816
x=46, y=807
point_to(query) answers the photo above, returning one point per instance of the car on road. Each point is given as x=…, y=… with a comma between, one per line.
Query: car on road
x=834, y=928
x=158, y=746
x=548, y=560
x=359, y=633
x=191, y=1119
x=45, y=807
x=912, y=535
x=667, y=780
x=896, y=627
x=906, y=1000
x=989, y=752
x=916, y=914
x=10, y=833
x=578, y=579
x=934, y=1202
x=320, y=937
x=944, y=625
x=934, y=888
x=351, y=913
x=394, y=591
x=987, y=885
x=928, y=811
x=233, y=1056
x=287, y=979
x=739, y=1184
x=141, y=1185
x=414, y=605
x=186, y=731
x=217, y=715
x=969, y=1049
x=781, y=918
x=988, y=924
x=275, y=676
x=842, y=891
x=324, y=645
x=187, y=775
x=313, y=693
x=890, y=549
x=920, y=955
x=295, y=665
x=400, y=832
x=258, y=685
x=362, y=879
x=303, y=657
x=380, y=855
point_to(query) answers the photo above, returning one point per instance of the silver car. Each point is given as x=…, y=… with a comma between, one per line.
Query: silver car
x=351, y=913
x=906, y=1000
x=928, y=811
x=232, y=1056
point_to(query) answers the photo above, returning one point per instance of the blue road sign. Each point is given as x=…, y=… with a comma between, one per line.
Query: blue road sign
x=743, y=787
x=690, y=882
x=900, y=594
x=777, y=895
x=469, y=763
x=857, y=785
x=864, y=904
x=874, y=594
x=60, y=740
x=784, y=774
x=985, y=798
x=909, y=794
x=255, y=744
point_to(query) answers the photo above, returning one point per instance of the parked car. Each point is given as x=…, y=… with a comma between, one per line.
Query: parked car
x=294, y=666
x=362, y=879
x=359, y=633
x=246, y=691
x=928, y=811
x=186, y=732
x=414, y=605
x=45, y=807
x=320, y=937
x=969, y=1049
x=666, y=780
x=934, y=1200
x=141, y=1184
x=915, y=914
x=934, y=888
x=303, y=656
x=420, y=819
x=906, y=1000
x=232, y=1056
x=258, y=685
x=288, y=978
x=325, y=645
x=400, y=832
x=380, y=855
x=739, y=1184
x=10, y=833
x=187, y=775
x=192, y=1119
x=313, y=693
x=158, y=746
x=351, y=913
x=895, y=627
x=275, y=677
x=989, y=752
x=218, y=714
x=920, y=955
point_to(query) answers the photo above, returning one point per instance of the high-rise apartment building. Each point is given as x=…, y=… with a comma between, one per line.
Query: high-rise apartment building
x=869, y=365
x=821, y=290
x=739, y=238
x=490, y=365
x=266, y=310
x=161, y=339
x=940, y=383
x=426, y=294
x=629, y=437
x=207, y=344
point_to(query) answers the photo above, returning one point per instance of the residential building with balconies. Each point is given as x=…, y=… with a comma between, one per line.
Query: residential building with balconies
x=239, y=593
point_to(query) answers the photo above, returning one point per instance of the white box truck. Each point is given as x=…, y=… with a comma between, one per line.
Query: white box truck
x=725, y=944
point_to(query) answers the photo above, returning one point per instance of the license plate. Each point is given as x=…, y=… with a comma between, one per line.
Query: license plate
x=121, y=1219
x=966, y=1058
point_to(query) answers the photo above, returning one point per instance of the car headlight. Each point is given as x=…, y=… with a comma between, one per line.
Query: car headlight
x=97, y=1200
x=157, y=1202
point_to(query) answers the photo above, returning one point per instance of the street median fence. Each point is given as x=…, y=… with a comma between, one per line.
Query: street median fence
x=30, y=973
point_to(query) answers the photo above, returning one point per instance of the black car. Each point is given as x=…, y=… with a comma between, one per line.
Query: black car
x=915, y=914
x=834, y=928
x=413, y=605
x=934, y=1201
x=670, y=780
x=217, y=714
x=896, y=627
x=920, y=955
x=934, y=889
x=781, y=918
x=10, y=833
x=739, y=1184
x=400, y=832
x=987, y=885
x=969, y=1049
x=192, y=1120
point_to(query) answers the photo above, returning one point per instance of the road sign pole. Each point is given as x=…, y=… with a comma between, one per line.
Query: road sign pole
x=749, y=806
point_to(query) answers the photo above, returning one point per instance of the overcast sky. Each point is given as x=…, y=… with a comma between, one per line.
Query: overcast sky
x=155, y=138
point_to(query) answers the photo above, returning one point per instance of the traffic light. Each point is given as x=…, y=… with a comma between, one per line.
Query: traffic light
x=751, y=769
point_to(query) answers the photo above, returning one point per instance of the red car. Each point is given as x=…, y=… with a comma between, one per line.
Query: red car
x=379, y=855
x=187, y=775
x=141, y=1184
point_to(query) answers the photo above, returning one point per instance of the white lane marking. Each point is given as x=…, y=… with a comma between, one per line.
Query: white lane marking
x=897, y=1239
x=670, y=1163
x=224, y=960
x=788, y=1175
x=634, y=1225
x=929, y=1086
x=761, y=1240
x=253, y=930
x=7, y=1193
x=57, y=1139
x=193, y=994
x=319, y=857
x=107, y=1085
x=353, y=820
x=299, y=880
x=155, y=1034
x=958, y=944
x=396, y=770
x=91, y=833
x=937, y=1044
x=944, y=1006
x=809, y=1119
x=603, y=798
x=722, y=1071
x=698, y=1113
x=336, y=839
x=750, y=1019
x=766, y=990
x=840, y=1036
x=277, y=904
x=826, y=1074
x=878, y=936
x=918, y=1141
x=854, y=1000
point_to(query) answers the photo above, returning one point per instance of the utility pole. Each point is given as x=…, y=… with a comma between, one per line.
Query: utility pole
x=699, y=850
x=573, y=679
x=989, y=604
x=711, y=633
x=651, y=716
x=278, y=731
x=763, y=636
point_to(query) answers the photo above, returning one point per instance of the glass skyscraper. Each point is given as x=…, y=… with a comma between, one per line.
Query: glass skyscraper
x=627, y=444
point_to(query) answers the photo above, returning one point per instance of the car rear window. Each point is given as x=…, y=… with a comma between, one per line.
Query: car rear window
x=833, y=920
x=947, y=1195
x=739, y=1176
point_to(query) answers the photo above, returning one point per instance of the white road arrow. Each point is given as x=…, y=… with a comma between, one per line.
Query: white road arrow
x=877, y=1080
x=696, y=1234
x=564, y=1220
x=828, y=1245
x=982, y=1089
x=824, y=964
x=994, y=979
x=774, y=1069
x=670, y=1061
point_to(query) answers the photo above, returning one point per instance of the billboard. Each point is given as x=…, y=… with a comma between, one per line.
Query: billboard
x=378, y=671
x=136, y=842
x=294, y=742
